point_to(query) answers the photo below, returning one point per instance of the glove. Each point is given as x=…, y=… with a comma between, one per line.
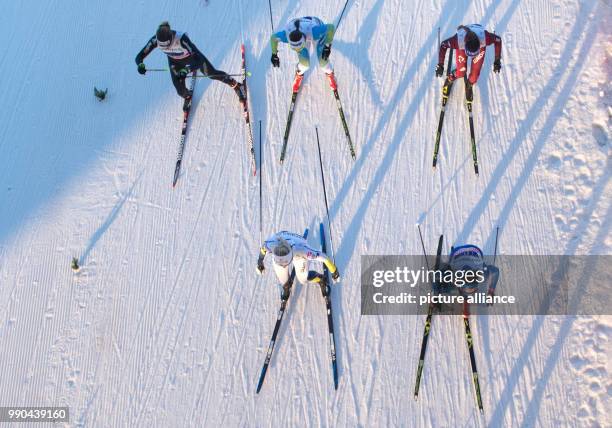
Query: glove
x=142, y=69
x=275, y=60
x=325, y=52
x=497, y=65
x=260, y=268
x=182, y=73
x=439, y=70
x=336, y=276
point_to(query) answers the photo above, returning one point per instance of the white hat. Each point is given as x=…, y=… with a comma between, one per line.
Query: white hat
x=297, y=40
x=282, y=253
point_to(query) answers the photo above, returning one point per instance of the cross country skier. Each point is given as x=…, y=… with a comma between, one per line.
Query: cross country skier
x=470, y=41
x=302, y=34
x=184, y=57
x=469, y=258
x=292, y=253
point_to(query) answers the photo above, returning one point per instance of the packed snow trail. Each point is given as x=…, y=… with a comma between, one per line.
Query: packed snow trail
x=167, y=323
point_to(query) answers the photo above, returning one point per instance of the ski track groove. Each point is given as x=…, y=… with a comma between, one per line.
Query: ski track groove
x=179, y=271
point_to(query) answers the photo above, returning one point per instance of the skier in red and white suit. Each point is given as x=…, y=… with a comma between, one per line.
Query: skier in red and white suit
x=470, y=41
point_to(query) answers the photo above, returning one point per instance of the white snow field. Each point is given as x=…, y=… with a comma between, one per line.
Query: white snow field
x=167, y=323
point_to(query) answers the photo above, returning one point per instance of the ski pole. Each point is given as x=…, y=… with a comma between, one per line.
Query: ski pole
x=470, y=345
x=331, y=239
x=342, y=14
x=423, y=245
x=491, y=290
x=495, y=252
x=260, y=186
x=270, y=8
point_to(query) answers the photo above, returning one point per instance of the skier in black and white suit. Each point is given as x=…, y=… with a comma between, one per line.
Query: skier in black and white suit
x=183, y=57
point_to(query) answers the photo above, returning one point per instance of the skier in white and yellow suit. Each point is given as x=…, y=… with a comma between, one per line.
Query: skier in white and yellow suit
x=292, y=253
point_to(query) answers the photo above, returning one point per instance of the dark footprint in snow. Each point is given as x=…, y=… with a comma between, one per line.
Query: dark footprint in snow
x=600, y=134
x=554, y=161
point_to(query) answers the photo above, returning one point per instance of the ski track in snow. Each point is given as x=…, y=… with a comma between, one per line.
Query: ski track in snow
x=167, y=324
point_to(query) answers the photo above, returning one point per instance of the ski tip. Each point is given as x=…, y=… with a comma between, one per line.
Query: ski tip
x=242, y=48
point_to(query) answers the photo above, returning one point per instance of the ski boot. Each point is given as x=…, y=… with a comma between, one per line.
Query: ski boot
x=446, y=88
x=187, y=103
x=286, y=291
x=469, y=92
x=332, y=81
x=297, y=81
x=240, y=91
x=325, y=289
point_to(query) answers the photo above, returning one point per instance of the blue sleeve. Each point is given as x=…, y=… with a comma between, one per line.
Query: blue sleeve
x=281, y=36
x=319, y=32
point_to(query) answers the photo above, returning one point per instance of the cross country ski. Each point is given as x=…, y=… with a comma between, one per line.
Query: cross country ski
x=462, y=258
x=183, y=58
x=292, y=258
x=244, y=102
x=304, y=35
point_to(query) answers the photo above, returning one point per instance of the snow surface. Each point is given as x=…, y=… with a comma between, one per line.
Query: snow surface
x=167, y=323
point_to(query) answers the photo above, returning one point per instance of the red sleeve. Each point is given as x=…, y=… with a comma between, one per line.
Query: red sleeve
x=451, y=42
x=492, y=38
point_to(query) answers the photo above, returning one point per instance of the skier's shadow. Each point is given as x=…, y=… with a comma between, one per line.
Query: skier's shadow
x=108, y=222
x=347, y=247
x=364, y=41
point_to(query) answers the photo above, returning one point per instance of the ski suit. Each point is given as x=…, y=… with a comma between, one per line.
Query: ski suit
x=303, y=255
x=317, y=35
x=183, y=54
x=457, y=42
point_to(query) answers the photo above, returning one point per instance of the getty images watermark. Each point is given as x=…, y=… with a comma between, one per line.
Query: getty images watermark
x=516, y=285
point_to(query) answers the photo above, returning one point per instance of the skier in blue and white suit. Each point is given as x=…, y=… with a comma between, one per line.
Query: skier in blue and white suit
x=302, y=34
x=469, y=258
x=292, y=253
